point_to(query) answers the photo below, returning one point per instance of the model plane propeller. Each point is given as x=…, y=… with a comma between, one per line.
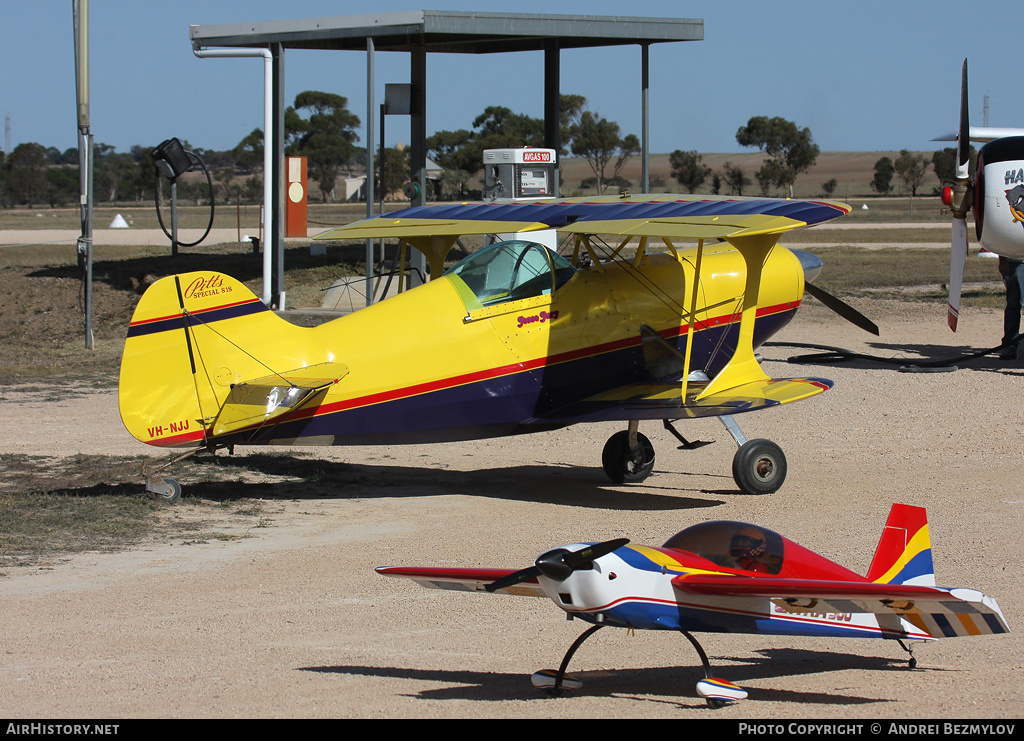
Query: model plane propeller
x=996, y=195
x=735, y=577
x=660, y=325
x=558, y=564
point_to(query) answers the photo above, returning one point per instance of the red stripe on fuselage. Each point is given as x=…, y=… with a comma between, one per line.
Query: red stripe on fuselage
x=483, y=375
x=528, y=365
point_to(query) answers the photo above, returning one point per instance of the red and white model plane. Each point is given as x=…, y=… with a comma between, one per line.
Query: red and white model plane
x=734, y=577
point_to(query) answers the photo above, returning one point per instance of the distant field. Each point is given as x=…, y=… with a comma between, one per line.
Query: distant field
x=852, y=170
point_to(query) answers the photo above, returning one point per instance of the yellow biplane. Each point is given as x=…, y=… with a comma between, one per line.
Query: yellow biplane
x=515, y=338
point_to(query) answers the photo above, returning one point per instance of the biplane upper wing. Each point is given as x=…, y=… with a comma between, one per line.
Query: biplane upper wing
x=670, y=216
x=463, y=580
x=940, y=612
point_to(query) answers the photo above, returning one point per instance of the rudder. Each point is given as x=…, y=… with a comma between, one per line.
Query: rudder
x=904, y=552
x=186, y=347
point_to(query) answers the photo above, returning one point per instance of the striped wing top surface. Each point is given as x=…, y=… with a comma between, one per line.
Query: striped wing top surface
x=684, y=217
x=940, y=612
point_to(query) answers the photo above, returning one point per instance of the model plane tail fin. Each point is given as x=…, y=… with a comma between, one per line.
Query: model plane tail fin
x=904, y=552
x=205, y=359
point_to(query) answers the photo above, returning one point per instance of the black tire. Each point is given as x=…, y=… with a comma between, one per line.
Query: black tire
x=759, y=467
x=174, y=492
x=620, y=465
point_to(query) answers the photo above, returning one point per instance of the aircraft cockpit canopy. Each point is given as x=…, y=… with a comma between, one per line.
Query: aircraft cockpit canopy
x=734, y=545
x=513, y=270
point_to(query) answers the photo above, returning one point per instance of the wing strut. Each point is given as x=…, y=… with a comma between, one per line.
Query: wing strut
x=691, y=321
x=743, y=366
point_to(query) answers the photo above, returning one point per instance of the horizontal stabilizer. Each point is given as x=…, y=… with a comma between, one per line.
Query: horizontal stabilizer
x=272, y=399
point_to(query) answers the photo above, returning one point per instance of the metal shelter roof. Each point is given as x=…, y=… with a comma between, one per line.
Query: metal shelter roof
x=419, y=33
x=450, y=31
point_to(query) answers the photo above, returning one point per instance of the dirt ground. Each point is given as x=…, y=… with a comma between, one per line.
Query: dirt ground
x=291, y=621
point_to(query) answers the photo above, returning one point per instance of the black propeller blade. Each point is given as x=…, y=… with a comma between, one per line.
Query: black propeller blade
x=960, y=204
x=841, y=308
x=558, y=564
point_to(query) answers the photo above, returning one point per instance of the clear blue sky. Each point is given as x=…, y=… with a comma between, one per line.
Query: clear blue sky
x=863, y=76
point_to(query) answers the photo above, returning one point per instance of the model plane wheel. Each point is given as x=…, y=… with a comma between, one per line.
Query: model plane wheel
x=621, y=465
x=759, y=467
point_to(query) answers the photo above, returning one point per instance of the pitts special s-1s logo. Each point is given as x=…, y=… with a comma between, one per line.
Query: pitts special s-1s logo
x=203, y=287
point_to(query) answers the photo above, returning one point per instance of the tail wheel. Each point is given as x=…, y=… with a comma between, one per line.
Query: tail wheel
x=622, y=465
x=759, y=467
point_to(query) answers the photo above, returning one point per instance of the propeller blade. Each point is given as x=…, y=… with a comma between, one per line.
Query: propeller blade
x=558, y=564
x=962, y=200
x=842, y=308
x=584, y=557
x=963, y=139
x=512, y=579
x=957, y=260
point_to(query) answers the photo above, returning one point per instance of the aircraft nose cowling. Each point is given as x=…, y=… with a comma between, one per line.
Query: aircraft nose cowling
x=812, y=264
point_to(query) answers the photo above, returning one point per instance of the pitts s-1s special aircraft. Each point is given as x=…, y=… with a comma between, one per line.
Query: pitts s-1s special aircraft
x=734, y=577
x=515, y=338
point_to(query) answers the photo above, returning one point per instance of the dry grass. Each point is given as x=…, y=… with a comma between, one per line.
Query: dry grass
x=53, y=507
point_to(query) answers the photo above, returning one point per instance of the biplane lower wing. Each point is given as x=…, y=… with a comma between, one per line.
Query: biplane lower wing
x=665, y=401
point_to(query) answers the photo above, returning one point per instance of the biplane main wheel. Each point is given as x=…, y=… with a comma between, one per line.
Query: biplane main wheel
x=621, y=465
x=759, y=467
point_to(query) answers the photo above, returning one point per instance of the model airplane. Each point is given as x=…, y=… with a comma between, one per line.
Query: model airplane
x=996, y=195
x=514, y=339
x=733, y=577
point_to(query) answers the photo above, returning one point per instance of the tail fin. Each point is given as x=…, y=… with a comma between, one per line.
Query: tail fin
x=904, y=552
x=190, y=370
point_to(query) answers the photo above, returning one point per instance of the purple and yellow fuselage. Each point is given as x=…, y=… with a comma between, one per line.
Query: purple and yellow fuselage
x=431, y=365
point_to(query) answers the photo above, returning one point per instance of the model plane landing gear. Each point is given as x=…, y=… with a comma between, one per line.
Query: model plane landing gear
x=759, y=466
x=716, y=692
x=628, y=456
x=556, y=683
x=912, y=661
